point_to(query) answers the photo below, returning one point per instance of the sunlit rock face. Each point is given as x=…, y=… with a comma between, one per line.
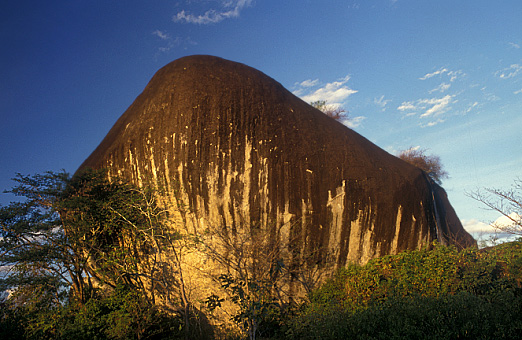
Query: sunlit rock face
x=239, y=150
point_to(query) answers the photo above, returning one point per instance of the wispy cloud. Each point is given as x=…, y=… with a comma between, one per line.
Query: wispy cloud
x=408, y=106
x=514, y=45
x=509, y=72
x=443, y=71
x=438, y=105
x=308, y=83
x=432, y=123
x=433, y=74
x=354, y=122
x=471, y=106
x=334, y=93
x=170, y=43
x=428, y=108
x=161, y=35
x=441, y=88
x=518, y=92
x=489, y=96
x=381, y=102
x=229, y=9
x=454, y=74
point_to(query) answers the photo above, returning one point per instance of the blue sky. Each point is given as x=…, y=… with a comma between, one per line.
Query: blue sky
x=442, y=75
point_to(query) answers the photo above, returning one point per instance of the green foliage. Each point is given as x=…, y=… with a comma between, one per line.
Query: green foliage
x=33, y=245
x=459, y=316
x=428, y=294
x=258, y=312
x=437, y=272
x=109, y=223
x=12, y=321
x=67, y=237
x=124, y=314
x=83, y=258
x=120, y=314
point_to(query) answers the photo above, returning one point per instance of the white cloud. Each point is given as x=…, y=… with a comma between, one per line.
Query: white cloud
x=171, y=43
x=509, y=72
x=161, y=35
x=431, y=107
x=354, y=122
x=433, y=74
x=518, y=92
x=432, y=123
x=229, y=9
x=482, y=230
x=335, y=93
x=308, y=83
x=381, y=102
x=407, y=106
x=452, y=74
x=514, y=45
x=471, y=107
x=475, y=226
x=439, y=105
x=441, y=88
x=509, y=222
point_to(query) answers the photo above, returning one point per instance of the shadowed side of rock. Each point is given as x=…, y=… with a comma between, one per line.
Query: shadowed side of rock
x=243, y=153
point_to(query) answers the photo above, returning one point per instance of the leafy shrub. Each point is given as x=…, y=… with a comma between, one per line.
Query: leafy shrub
x=428, y=294
x=459, y=316
x=122, y=314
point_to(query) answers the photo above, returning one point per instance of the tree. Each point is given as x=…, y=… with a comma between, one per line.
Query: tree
x=431, y=164
x=506, y=202
x=254, y=266
x=38, y=261
x=111, y=224
x=262, y=275
x=73, y=234
x=76, y=239
x=332, y=111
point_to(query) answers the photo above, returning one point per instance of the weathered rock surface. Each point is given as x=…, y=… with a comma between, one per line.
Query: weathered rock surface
x=241, y=151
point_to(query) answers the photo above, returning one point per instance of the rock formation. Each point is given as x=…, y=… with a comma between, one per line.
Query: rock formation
x=242, y=152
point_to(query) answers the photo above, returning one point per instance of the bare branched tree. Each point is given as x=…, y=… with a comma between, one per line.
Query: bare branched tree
x=260, y=272
x=332, y=111
x=430, y=164
x=506, y=202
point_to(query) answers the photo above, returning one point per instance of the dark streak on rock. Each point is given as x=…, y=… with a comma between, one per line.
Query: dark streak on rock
x=222, y=105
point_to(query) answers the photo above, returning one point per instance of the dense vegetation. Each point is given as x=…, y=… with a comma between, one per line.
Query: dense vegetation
x=69, y=234
x=429, y=294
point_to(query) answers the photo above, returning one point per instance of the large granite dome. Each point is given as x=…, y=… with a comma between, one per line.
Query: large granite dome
x=240, y=150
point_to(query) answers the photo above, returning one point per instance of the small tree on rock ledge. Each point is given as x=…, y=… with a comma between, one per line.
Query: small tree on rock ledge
x=332, y=111
x=430, y=164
